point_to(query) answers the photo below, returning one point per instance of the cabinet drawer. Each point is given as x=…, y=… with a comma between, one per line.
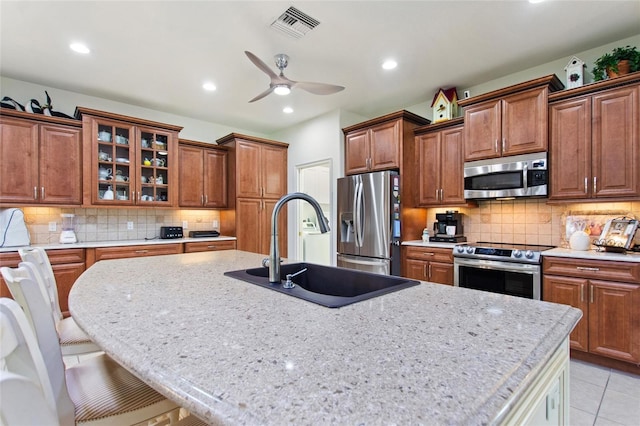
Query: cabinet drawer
x=431, y=254
x=209, y=246
x=60, y=256
x=105, y=253
x=594, y=269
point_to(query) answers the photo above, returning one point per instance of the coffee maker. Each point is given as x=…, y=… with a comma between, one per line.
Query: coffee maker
x=448, y=228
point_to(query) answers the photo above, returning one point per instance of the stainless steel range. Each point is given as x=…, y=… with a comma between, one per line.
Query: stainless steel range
x=513, y=269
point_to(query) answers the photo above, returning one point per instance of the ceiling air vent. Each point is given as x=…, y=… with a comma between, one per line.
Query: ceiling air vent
x=294, y=23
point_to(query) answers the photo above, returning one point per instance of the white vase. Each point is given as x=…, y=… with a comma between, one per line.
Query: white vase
x=580, y=241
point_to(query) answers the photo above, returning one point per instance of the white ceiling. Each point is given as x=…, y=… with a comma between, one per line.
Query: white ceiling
x=157, y=54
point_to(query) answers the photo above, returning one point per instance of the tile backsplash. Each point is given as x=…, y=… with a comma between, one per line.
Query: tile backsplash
x=106, y=224
x=529, y=221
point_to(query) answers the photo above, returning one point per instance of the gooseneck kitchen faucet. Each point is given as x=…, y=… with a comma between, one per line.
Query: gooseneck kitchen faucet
x=274, y=252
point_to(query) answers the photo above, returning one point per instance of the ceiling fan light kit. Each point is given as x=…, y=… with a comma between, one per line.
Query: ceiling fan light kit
x=281, y=85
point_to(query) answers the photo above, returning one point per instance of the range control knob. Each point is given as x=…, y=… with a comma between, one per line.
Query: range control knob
x=528, y=254
x=460, y=249
x=469, y=249
x=517, y=253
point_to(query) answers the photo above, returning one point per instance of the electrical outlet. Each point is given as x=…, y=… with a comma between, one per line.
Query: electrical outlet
x=185, y=224
x=129, y=226
x=52, y=226
x=215, y=224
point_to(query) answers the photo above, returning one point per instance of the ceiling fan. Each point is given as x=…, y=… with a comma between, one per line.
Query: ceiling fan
x=281, y=85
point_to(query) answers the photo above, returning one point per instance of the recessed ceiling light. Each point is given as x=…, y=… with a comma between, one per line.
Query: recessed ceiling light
x=535, y=1
x=79, y=47
x=389, y=64
x=208, y=86
x=287, y=110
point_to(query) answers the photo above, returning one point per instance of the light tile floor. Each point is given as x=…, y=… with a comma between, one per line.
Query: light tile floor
x=603, y=396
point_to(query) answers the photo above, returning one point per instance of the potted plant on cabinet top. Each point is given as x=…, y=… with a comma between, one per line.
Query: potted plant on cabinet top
x=621, y=60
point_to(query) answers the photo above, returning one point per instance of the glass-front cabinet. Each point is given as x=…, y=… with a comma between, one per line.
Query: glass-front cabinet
x=130, y=161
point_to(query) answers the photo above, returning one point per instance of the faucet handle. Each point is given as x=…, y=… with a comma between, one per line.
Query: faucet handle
x=265, y=262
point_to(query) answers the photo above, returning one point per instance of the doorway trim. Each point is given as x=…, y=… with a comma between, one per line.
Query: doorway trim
x=328, y=162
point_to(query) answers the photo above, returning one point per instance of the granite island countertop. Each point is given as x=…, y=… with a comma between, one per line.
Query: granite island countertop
x=236, y=353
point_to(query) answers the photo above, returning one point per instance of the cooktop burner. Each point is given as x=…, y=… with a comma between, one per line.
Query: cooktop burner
x=521, y=253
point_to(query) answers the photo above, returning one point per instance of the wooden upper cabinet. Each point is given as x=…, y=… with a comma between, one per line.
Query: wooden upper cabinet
x=202, y=175
x=440, y=165
x=515, y=124
x=382, y=143
x=570, y=151
x=260, y=170
x=482, y=131
x=357, y=152
x=616, y=143
x=128, y=161
x=594, y=150
x=509, y=121
x=40, y=160
x=273, y=169
x=375, y=148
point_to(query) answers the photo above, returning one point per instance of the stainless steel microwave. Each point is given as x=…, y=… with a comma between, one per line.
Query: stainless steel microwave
x=507, y=177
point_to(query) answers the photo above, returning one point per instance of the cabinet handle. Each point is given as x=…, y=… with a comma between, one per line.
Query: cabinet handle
x=35, y=193
x=441, y=194
x=595, y=185
x=142, y=251
x=496, y=147
x=206, y=199
x=424, y=272
x=202, y=199
x=504, y=143
x=584, y=268
x=586, y=184
x=581, y=292
x=429, y=271
x=42, y=192
x=214, y=246
x=591, y=293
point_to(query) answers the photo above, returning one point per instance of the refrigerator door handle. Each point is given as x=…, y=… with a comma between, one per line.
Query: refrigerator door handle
x=357, y=219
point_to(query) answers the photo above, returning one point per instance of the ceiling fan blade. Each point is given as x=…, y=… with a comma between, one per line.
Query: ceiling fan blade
x=319, y=88
x=263, y=94
x=261, y=65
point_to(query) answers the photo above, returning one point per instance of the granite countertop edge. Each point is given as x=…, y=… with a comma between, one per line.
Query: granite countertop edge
x=592, y=255
x=118, y=243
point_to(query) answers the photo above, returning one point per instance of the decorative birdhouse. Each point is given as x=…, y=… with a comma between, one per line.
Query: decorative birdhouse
x=445, y=105
x=575, y=72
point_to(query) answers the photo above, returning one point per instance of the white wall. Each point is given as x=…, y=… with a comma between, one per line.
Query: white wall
x=554, y=67
x=66, y=102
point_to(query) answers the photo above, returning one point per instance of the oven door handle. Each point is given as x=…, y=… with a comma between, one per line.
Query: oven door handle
x=525, y=170
x=524, y=268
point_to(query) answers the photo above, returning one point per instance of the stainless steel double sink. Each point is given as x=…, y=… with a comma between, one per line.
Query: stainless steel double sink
x=326, y=285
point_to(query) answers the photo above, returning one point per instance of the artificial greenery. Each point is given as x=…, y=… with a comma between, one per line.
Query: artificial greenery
x=610, y=61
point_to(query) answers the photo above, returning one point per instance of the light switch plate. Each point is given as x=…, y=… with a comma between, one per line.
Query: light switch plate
x=129, y=226
x=52, y=226
x=185, y=224
x=215, y=224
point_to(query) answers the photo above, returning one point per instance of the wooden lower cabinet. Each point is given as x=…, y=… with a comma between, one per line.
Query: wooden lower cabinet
x=428, y=264
x=105, y=253
x=209, y=246
x=254, y=234
x=67, y=264
x=608, y=293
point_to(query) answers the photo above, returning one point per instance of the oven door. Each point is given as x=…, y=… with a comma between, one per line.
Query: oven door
x=515, y=279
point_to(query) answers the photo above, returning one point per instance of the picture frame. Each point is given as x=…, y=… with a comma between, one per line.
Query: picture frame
x=618, y=234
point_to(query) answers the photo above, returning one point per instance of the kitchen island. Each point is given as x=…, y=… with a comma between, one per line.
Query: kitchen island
x=236, y=353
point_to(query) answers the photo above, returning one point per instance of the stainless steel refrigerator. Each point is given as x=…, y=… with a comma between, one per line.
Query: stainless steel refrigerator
x=369, y=220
